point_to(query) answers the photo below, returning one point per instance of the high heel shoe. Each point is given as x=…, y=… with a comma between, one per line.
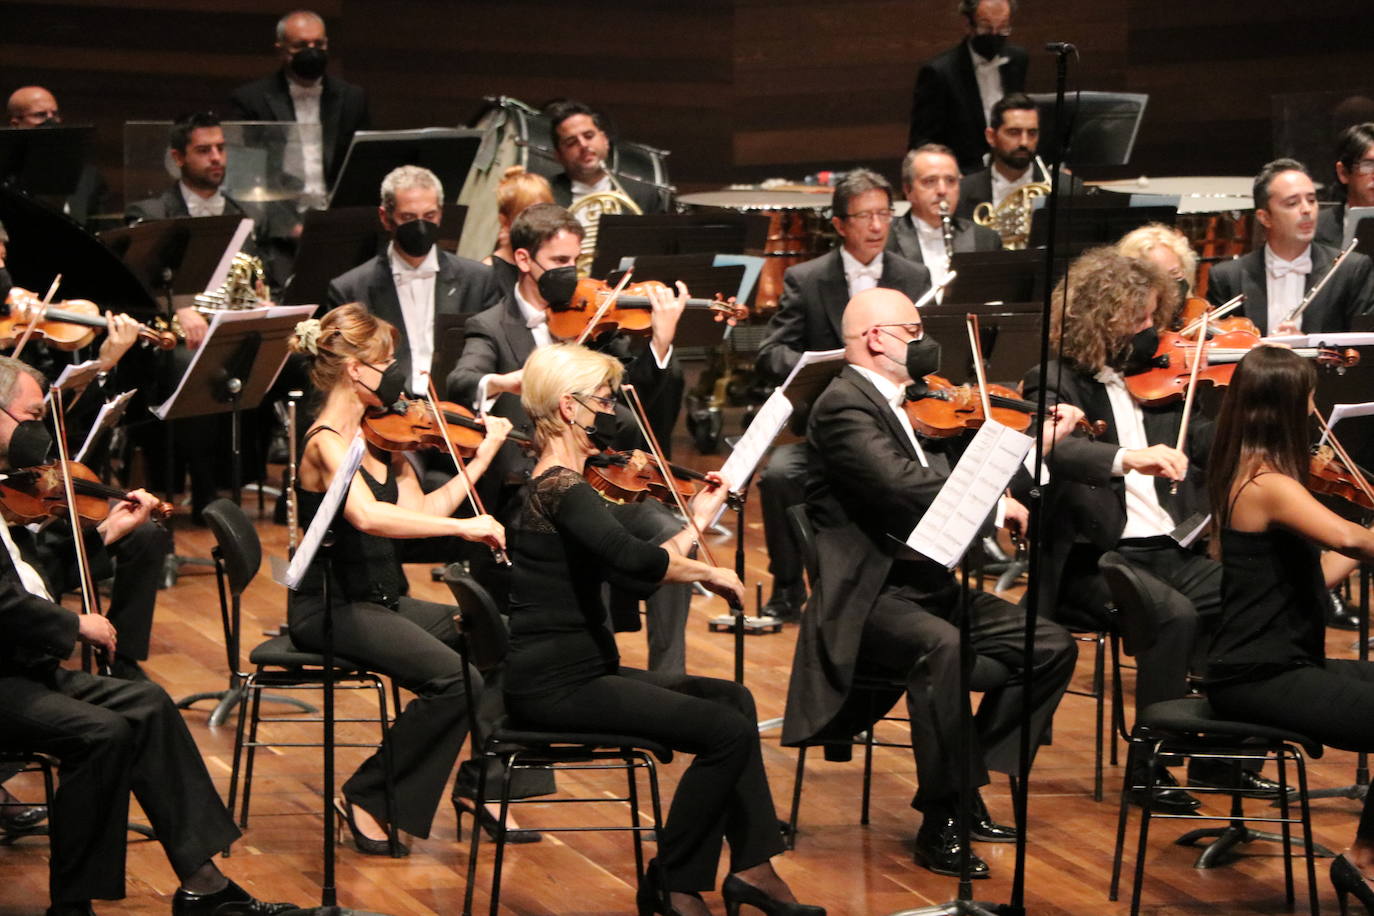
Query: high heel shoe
x=1347, y=880
x=651, y=897
x=737, y=892
x=489, y=824
x=363, y=843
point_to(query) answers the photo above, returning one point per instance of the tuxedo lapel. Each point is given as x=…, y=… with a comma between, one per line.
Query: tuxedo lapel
x=446, y=298
x=279, y=100
x=331, y=107
x=834, y=292
x=889, y=419
x=1256, y=289
x=519, y=337
x=905, y=241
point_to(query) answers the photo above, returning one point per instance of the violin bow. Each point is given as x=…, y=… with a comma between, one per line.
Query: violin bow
x=1350, y=465
x=976, y=352
x=1192, y=391
x=604, y=307
x=432, y=399
x=35, y=318
x=1312, y=293
x=1225, y=308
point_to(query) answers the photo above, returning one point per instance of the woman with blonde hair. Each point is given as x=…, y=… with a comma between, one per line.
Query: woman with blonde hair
x=353, y=368
x=564, y=672
x=518, y=189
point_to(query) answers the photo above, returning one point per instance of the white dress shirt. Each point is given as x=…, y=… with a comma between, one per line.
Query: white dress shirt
x=1145, y=517
x=894, y=394
x=30, y=577
x=1001, y=187
x=932, y=239
x=415, y=290
x=201, y=206
x=988, y=73
x=580, y=190
x=1284, y=283
x=859, y=277
x=306, y=102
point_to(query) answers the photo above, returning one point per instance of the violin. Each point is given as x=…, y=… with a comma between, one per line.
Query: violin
x=947, y=409
x=1167, y=378
x=631, y=312
x=627, y=477
x=67, y=325
x=30, y=494
x=409, y=425
x=1195, y=307
x=1327, y=474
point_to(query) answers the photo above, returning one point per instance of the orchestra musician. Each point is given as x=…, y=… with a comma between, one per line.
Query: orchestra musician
x=1013, y=137
x=353, y=366
x=35, y=106
x=302, y=91
x=413, y=282
x=877, y=610
x=1354, y=182
x=954, y=94
x=930, y=177
x=583, y=148
x=1166, y=248
x=518, y=189
x=808, y=318
x=563, y=671
x=1114, y=492
x=1281, y=550
x=1276, y=277
x=545, y=240
x=109, y=735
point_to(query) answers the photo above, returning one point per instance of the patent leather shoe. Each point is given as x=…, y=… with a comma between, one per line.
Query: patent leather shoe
x=984, y=829
x=1251, y=783
x=22, y=819
x=1340, y=617
x=1171, y=800
x=489, y=824
x=786, y=603
x=737, y=892
x=230, y=900
x=361, y=842
x=937, y=848
x=1348, y=879
x=652, y=897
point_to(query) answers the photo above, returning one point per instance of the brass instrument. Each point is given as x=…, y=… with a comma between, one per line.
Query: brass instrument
x=589, y=210
x=244, y=287
x=1012, y=217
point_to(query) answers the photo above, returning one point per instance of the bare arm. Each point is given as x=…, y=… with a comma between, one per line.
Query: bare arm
x=1275, y=499
x=446, y=499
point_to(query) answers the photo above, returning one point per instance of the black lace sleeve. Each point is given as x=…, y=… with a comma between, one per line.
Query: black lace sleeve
x=567, y=503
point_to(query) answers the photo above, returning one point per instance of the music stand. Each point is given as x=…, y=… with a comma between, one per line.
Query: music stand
x=621, y=235
x=448, y=152
x=1099, y=219
x=1364, y=231
x=995, y=276
x=174, y=258
x=1010, y=339
x=1103, y=126
x=332, y=243
x=45, y=160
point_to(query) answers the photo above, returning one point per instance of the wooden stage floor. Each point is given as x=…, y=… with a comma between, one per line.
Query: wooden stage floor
x=848, y=868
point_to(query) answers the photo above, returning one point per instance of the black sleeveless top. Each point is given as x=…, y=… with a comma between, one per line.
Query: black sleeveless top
x=1273, y=599
x=365, y=566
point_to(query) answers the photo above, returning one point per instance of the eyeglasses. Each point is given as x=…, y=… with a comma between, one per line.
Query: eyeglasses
x=981, y=29
x=607, y=405
x=915, y=330
x=1363, y=167
x=868, y=216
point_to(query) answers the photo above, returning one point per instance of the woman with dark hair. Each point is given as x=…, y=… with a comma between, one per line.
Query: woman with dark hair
x=1354, y=184
x=1267, y=662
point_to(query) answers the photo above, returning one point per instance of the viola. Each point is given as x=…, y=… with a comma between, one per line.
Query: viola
x=1195, y=307
x=410, y=425
x=947, y=409
x=1327, y=474
x=631, y=312
x=31, y=494
x=629, y=476
x=1167, y=378
x=67, y=325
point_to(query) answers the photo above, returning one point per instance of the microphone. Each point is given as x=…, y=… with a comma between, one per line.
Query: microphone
x=1060, y=47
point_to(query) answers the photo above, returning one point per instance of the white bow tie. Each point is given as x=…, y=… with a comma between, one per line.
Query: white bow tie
x=870, y=271
x=1279, y=269
x=537, y=320
x=982, y=64
x=409, y=274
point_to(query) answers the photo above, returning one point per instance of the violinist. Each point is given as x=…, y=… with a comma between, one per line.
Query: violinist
x=546, y=240
x=808, y=318
x=1281, y=550
x=1115, y=493
x=1167, y=249
x=1354, y=184
x=109, y=735
x=878, y=609
x=353, y=367
x=1276, y=277
x=564, y=672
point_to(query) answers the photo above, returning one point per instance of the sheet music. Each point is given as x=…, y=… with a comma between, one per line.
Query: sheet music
x=227, y=260
x=110, y=414
x=223, y=317
x=1340, y=411
x=1333, y=339
x=77, y=376
x=970, y=495
x=324, y=517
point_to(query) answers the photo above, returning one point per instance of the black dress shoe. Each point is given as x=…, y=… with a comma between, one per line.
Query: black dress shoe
x=983, y=828
x=230, y=900
x=786, y=603
x=22, y=820
x=937, y=848
x=1172, y=800
x=1338, y=615
x=1250, y=783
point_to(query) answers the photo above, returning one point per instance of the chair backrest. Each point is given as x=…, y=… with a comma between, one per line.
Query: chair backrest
x=240, y=549
x=1139, y=617
x=478, y=619
x=805, y=535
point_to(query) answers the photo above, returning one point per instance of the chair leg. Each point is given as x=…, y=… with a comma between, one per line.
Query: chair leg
x=868, y=772
x=476, y=833
x=1100, y=696
x=1131, y=752
x=1287, y=831
x=252, y=753
x=1145, y=812
x=501, y=832
x=796, y=798
x=250, y=690
x=630, y=766
x=1308, y=847
x=1118, y=713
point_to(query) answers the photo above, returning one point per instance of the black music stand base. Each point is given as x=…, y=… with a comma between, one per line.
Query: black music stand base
x=226, y=700
x=958, y=908
x=1221, y=851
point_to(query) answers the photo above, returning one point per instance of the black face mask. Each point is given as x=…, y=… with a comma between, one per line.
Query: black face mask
x=1138, y=353
x=922, y=357
x=988, y=46
x=603, y=430
x=30, y=444
x=391, y=386
x=557, y=285
x=417, y=237
x=310, y=63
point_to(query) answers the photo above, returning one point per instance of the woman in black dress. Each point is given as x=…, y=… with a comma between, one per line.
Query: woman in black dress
x=352, y=366
x=1267, y=662
x=564, y=673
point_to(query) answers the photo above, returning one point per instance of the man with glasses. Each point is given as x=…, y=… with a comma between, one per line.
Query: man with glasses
x=1354, y=182
x=35, y=106
x=881, y=610
x=808, y=318
x=955, y=91
x=930, y=177
x=301, y=91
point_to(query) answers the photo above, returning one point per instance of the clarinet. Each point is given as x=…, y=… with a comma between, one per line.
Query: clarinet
x=947, y=226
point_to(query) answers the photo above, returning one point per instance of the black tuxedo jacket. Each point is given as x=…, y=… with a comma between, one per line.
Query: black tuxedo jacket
x=1331, y=226
x=1084, y=502
x=814, y=295
x=946, y=107
x=649, y=198
x=976, y=188
x=1350, y=292
x=968, y=236
x=343, y=110
x=171, y=205
x=35, y=633
x=460, y=287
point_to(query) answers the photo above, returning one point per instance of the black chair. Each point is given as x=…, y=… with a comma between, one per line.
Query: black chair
x=880, y=692
x=14, y=762
x=1189, y=728
x=280, y=665
x=483, y=645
